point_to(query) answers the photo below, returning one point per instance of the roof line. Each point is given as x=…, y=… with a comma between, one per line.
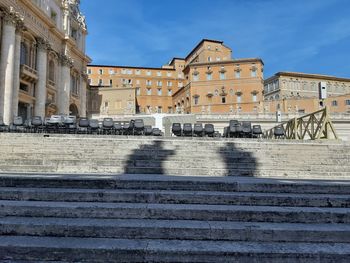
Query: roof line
x=118, y=66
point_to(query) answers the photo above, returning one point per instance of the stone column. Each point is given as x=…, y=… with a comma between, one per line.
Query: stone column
x=7, y=65
x=83, y=98
x=16, y=80
x=40, y=93
x=64, y=89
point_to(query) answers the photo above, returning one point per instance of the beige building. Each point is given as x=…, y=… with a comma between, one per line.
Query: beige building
x=42, y=60
x=207, y=80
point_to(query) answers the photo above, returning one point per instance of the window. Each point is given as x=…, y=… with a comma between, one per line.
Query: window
x=148, y=73
x=168, y=74
x=237, y=74
x=169, y=84
x=149, y=91
x=170, y=110
x=209, y=47
x=110, y=82
x=106, y=104
x=111, y=72
x=138, y=72
x=223, y=99
x=100, y=82
x=347, y=102
x=222, y=76
x=159, y=92
x=89, y=71
x=89, y=81
x=138, y=91
x=209, y=76
x=334, y=103
x=170, y=92
x=100, y=71
x=216, y=92
x=148, y=82
x=218, y=59
x=53, y=16
x=159, y=109
x=52, y=71
x=196, y=100
x=239, y=98
x=255, y=98
x=253, y=73
x=159, y=83
x=159, y=74
x=129, y=71
x=209, y=59
x=195, y=77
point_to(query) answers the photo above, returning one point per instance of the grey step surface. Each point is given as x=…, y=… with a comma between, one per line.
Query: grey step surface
x=125, y=250
x=174, y=197
x=175, y=229
x=175, y=212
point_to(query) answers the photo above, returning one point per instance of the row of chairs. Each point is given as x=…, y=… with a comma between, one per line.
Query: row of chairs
x=243, y=129
x=197, y=130
x=70, y=125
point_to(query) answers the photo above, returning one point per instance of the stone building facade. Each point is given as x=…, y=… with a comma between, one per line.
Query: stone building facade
x=42, y=60
x=207, y=80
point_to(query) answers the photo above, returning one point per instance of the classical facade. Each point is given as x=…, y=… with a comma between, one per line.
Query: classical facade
x=42, y=60
x=207, y=80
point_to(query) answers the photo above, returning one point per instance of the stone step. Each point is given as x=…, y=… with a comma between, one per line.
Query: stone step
x=189, y=183
x=143, y=250
x=174, y=197
x=175, y=212
x=174, y=229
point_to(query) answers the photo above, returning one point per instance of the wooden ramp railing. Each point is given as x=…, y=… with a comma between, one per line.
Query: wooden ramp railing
x=314, y=126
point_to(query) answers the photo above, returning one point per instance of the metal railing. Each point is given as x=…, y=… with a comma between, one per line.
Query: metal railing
x=313, y=126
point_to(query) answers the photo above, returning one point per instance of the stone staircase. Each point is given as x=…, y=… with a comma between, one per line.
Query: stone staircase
x=118, y=199
x=158, y=218
x=37, y=153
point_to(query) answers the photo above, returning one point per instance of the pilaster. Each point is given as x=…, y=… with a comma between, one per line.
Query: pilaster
x=64, y=90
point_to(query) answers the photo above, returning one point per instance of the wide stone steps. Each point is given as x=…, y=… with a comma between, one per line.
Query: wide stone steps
x=174, y=229
x=175, y=212
x=174, y=197
x=140, y=250
x=157, y=218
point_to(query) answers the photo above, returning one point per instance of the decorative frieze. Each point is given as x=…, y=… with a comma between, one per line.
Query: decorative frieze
x=42, y=44
x=65, y=60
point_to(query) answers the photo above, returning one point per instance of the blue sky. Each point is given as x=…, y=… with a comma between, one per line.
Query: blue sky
x=311, y=36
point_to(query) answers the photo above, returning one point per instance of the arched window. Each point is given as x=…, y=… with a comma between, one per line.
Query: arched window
x=52, y=70
x=24, y=54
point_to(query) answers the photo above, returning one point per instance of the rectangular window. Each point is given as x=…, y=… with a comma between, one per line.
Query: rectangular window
x=148, y=82
x=170, y=110
x=196, y=100
x=180, y=84
x=138, y=72
x=168, y=74
x=159, y=92
x=195, y=77
x=334, y=103
x=100, y=71
x=148, y=73
x=89, y=71
x=222, y=76
x=209, y=76
x=159, y=74
x=111, y=72
x=149, y=91
x=100, y=82
x=239, y=98
x=253, y=73
x=160, y=109
x=255, y=99
x=223, y=99
x=129, y=71
x=89, y=81
x=237, y=74
x=159, y=83
x=123, y=71
x=169, y=84
x=170, y=92
x=110, y=82
x=347, y=102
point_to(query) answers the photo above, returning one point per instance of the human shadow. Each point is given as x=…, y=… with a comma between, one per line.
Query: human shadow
x=238, y=162
x=148, y=159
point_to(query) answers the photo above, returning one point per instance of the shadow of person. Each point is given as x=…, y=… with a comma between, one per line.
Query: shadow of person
x=148, y=159
x=237, y=161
